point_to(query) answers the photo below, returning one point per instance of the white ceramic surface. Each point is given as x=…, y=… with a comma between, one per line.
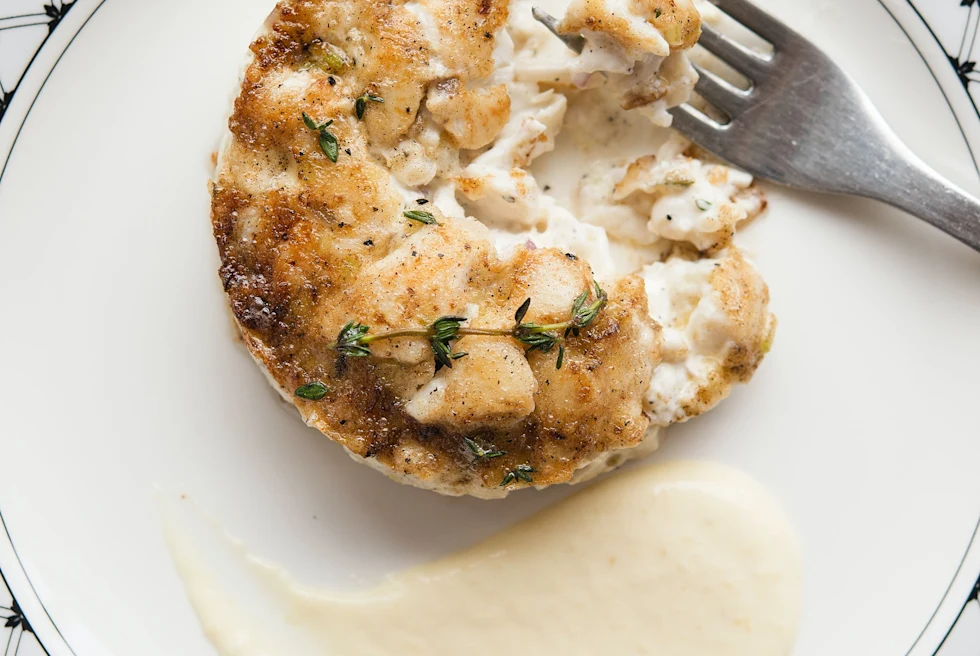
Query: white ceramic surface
x=122, y=384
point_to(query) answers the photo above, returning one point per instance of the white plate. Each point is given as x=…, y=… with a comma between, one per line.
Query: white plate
x=122, y=384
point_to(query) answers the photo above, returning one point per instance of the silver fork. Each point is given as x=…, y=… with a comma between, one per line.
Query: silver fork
x=805, y=123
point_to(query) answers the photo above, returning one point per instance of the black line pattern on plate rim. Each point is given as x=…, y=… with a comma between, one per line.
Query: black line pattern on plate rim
x=12, y=619
x=51, y=15
x=963, y=63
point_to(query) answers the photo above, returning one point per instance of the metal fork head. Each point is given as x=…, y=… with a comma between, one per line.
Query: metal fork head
x=801, y=116
x=804, y=122
x=575, y=42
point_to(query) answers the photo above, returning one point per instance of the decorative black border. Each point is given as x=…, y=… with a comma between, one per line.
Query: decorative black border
x=62, y=8
x=13, y=620
x=963, y=63
x=50, y=15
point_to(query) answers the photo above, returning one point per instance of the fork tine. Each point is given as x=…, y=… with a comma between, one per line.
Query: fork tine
x=720, y=93
x=759, y=21
x=575, y=42
x=743, y=60
x=698, y=128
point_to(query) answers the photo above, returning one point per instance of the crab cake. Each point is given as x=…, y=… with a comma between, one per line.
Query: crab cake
x=403, y=279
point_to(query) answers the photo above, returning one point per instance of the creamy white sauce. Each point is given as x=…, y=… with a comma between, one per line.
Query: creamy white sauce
x=679, y=559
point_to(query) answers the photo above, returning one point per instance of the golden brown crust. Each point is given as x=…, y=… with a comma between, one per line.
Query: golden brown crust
x=308, y=244
x=472, y=116
x=467, y=33
x=676, y=24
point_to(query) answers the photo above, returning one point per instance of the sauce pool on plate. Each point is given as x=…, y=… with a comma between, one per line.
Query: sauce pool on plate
x=679, y=559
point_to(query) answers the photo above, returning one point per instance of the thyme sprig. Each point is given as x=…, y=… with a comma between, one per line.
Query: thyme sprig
x=328, y=141
x=354, y=338
x=518, y=473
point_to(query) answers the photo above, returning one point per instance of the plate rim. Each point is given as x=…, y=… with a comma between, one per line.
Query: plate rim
x=945, y=68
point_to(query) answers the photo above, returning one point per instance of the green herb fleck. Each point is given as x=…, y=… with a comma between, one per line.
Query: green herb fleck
x=328, y=142
x=656, y=13
x=702, y=204
x=766, y=344
x=328, y=57
x=480, y=452
x=312, y=391
x=519, y=473
x=422, y=217
x=521, y=311
x=360, y=105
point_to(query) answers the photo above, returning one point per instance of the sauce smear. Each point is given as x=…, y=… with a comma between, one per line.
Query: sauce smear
x=679, y=559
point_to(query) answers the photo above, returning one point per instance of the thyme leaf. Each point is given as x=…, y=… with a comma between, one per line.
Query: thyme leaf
x=328, y=141
x=327, y=57
x=422, y=217
x=349, y=340
x=443, y=331
x=583, y=315
x=312, y=391
x=329, y=146
x=518, y=473
x=702, y=204
x=521, y=311
x=360, y=105
x=536, y=338
x=480, y=453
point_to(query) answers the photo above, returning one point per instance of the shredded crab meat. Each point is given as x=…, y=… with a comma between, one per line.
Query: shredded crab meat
x=636, y=48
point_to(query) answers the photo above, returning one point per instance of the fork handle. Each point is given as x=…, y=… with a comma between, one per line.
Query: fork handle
x=919, y=190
